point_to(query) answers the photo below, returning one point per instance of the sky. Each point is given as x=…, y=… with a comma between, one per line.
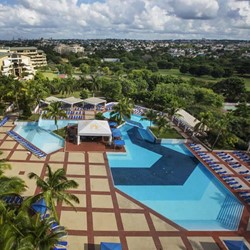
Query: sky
x=131, y=19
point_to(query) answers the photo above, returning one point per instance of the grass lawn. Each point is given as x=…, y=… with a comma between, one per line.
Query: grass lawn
x=169, y=133
x=50, y=75
x=177, y=73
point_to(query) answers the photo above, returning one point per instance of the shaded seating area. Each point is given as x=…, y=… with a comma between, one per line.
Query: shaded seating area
x=5, y=119
x=94, y=103
x=36, y=151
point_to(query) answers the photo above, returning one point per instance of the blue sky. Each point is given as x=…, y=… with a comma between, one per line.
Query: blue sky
x=133, y=19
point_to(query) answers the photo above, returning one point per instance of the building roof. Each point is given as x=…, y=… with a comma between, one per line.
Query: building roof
x=188, y=118
x=22, y=48
x=93, y=128
x=52, y=99
x=94, y=100
x=71, y=100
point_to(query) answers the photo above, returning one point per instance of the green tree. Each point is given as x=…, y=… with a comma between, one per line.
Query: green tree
x=55, y=186
x=150, y=115
x=223, y=129
x=19, y=230
x=162, y=123
x=122, y=110
x=54, y=111
x=206, y=120
x=233, y=89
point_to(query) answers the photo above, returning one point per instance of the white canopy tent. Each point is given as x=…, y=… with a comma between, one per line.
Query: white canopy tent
x=51, y=99
x=93, y=128
x=94, y=101
x=71, y=100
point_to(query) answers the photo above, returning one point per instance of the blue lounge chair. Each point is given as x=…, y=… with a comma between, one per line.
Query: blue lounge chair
x=119, y=143
x=221, y=172
x=230, y=183
x=244, y=172
x=236, y=187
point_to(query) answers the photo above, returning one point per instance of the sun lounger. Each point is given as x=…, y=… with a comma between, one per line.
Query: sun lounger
x=221, y=172
x=236, y=187
x=244, y=172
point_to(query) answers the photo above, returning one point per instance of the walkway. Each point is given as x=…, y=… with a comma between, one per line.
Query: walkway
x=105, y=213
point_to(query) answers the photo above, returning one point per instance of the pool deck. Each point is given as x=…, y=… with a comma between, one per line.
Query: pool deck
x=107, y=214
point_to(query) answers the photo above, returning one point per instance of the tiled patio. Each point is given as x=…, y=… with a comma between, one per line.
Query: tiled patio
x=104, y=212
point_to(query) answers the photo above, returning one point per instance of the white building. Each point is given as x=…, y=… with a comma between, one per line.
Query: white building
x=64, y=49
x=19, y=66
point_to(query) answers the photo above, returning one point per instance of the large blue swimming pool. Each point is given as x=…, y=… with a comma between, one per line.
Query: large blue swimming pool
x=171, y=181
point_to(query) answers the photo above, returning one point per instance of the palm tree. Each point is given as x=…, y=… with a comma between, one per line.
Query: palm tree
x=162, y=122
x=224, y=129
x=206, y=121
x=67, y=86
x=54, y=111
x=173, y=108
x=122, y=110
x=150, y=115
x=54, y=187
x=19, y=230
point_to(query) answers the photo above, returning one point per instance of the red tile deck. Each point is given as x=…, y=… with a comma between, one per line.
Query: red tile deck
x=120, y=218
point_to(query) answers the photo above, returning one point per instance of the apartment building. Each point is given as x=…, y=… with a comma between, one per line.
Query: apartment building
x=38, y=57
x=71, y=48
x=20, y=66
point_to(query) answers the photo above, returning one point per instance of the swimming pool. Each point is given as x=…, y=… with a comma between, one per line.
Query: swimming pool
x=45, y=140
x=171, y=181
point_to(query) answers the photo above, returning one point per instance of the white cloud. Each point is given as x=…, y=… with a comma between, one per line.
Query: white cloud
x=196, y=9
x=150, y=19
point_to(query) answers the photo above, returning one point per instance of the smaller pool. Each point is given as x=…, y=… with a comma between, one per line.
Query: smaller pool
x=47, y=141
x=134, y=118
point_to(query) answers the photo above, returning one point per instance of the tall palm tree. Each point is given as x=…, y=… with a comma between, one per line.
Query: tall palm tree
x=172, y=109
x=55, y=111
x=55, y=187
x=122, y=110
x=150, y=115
x=223, y=128
x=161, y=122
x=206, y=121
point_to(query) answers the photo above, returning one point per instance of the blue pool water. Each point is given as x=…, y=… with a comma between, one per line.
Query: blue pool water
x=171, y=181
x=47, y=141
x=50, y=124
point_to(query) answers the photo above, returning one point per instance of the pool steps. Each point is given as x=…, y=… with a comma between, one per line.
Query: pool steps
x=230, y=213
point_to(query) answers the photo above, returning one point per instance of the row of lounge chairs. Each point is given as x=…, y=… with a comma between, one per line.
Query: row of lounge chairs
x=5, y=119
x=36, y=151
x=242, y=156
x=75, y=117
x=245, y=195
x=232, y=163
x=229, y=180
x=13, y=199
